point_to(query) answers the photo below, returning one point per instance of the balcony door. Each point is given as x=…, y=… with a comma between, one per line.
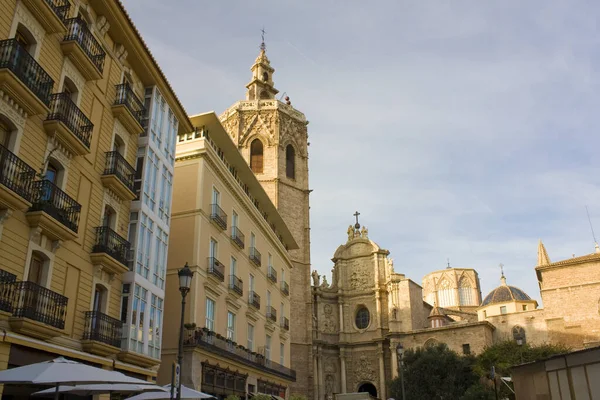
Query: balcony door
x=36, y=269
x=99, y=298
x=109, y=218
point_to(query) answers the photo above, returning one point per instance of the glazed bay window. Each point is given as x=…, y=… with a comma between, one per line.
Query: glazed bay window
x=138, y=313
x=162, y=193
x=150, y=180
x=160, y=258
x=281, y=353
x=250, y=344
x=210, y=314
x=156, y=316
x=231, y=326
x=144, y=245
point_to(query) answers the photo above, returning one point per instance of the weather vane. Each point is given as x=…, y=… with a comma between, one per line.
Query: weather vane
x=262, y=35
x=357, y=225
x=502, y=269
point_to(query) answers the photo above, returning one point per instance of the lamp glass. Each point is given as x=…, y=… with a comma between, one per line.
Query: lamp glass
x=185, y=277
x=400, y=350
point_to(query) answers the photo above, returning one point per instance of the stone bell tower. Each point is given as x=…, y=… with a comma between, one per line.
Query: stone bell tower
x=272, y=136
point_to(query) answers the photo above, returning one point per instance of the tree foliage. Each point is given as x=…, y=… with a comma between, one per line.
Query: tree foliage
x=232, y=397
x=297, y=397
x=261, y=396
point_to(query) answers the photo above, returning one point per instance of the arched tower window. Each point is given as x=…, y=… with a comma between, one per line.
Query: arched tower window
x=256, y=156
x=264, y=95
x=445, y=294
x=518, y=334
x=265, y=76
x=290, y=162
x=465, y=292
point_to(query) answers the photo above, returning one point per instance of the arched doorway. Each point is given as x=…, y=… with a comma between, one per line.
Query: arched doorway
x=368, y=388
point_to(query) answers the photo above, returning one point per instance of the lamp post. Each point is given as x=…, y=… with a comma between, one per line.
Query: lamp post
x=185, y=281
x=400, y=352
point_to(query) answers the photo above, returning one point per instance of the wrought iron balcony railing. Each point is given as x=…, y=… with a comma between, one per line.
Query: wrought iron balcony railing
x=271, y=313
x=39, y=304
x=255, y=256
x=216, y=268
x=60, y=7
x=102, y=328
x=285, y=288
x=78, y=31
x=48, y=197
x=272, y=274
x=7, y=289
x=15, y=174
x=63, y=109
x=126, y=97
x=111, y=243
x=218, y=216
x=237, y=236
x=117, y=165
x=219, y=345
x=285, y=324
x=236, y=284
x=15, y=58
x=254, y=299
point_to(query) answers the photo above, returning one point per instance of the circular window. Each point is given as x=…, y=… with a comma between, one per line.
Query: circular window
x=362, y=318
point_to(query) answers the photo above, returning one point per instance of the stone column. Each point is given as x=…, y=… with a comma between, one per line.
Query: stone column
x=341, y=328
x=343, y=369
x=394, y=359
x=315, y=374
x=381, y=393
x=321, y=377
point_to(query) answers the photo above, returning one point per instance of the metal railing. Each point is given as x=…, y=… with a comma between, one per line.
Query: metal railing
x=15, y=58
x=237, y=236
x=236, y=284
x=63, y=109
x=272, y=274
x=7, y=288
x=48, y=197
x=254, y=299
x=111, y=243
x=216, y=268
x=102, y=328
x=271, y=313
x=285, y=288
x=117, y=165
x=15, y=174
x=218, y=216
x=219, y=345
x=127, y=98
x=78, y=31
x=285, y=324
x=60, y=7
x=39, y=304
x=255, y=256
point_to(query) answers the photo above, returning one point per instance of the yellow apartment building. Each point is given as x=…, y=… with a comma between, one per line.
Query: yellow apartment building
x=73, y=76
x=226, y=228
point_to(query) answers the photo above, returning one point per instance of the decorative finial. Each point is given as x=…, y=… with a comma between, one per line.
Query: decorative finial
x=502, y=277
x=448, y=262
x=357, y=225
x=263, y=46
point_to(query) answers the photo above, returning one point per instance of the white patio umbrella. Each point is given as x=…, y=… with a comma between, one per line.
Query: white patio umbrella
x=66, y=372
x=101, y=388
x=186, y=393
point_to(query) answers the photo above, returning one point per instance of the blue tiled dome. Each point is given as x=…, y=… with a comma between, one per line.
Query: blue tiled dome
x=505, y=293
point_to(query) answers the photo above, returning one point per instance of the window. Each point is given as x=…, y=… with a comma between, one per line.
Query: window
x=213, y=249
x=160, y=258
x=169, y=193
x=210, y=314
x=26, y=39
x=281, y=353
x=445, y=294
x=5, y=134
x=519, y=334
x=362, y=318
x=150, y=180
x=282, y=310
x=250, y=344
x=137, y=179
x=251, y=283
x=136, y=334
x=268, y=348
x=465, y=292
x=231, y=326
x=70, y=89
x=268, y=299
x=524, y=307
x=466, y=348
x=503, y=310
x=252, y=239
x=256, y=156
x=156, y=311
x=36, y=269
x=290, y=162
x=232, y=270
x=125, y=302
x=484, y=313
x=216, y=196
x=163, y=193
x=234, y=219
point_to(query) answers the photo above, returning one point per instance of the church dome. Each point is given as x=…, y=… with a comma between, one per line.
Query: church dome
x=504, y=293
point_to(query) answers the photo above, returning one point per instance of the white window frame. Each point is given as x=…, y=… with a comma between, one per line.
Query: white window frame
x=210, y=314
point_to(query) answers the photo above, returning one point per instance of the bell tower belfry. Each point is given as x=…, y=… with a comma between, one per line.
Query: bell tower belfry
x=273, y=138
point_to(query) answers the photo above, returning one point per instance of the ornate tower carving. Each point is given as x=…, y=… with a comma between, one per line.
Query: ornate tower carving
x=272, y=136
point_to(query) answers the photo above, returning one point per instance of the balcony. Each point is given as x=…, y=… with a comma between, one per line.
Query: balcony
x=119, y=176
x=68, y=124
x=23, y=79
x=53, y=211
x=16, y=179
x=254, y=300
x=216, y=269
x=220, y=346
x=50, y=13
x=7, y=288
x=272, y=274
x=102, y=334
x=255, y=256
x=285, y=288
x=218, y=216
x=285, y=324
x=271, y=314
x=37, y=311
x=82, y=48
x=128, y=109
x=110, y=251
x=237, y=237
x=236, y=285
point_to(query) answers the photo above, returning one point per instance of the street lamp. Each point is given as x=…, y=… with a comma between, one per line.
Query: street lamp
x=185, y=281
x=400, y=353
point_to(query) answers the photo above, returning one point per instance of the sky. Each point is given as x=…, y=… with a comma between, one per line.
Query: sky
x=459, y=130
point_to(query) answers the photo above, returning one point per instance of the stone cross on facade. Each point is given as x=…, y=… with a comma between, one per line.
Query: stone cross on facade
x=262, y=35
x=357, y=225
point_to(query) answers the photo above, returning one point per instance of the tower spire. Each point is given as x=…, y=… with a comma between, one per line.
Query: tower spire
x=263, y=46
x=261, y=87
x=542, y=255
x=502, y=277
